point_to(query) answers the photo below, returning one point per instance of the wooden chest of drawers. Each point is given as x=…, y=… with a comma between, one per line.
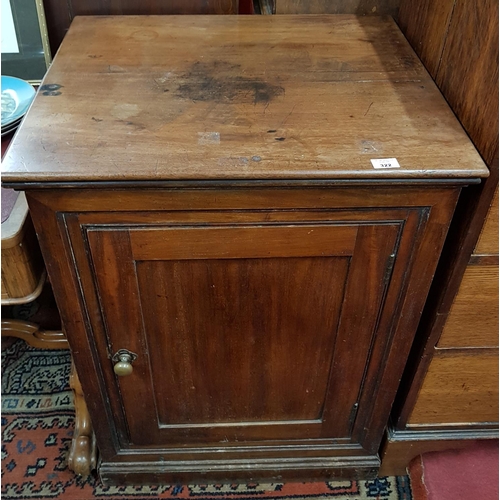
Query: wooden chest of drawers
x=240, y=286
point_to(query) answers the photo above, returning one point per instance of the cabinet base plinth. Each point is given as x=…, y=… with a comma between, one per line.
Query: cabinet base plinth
x=193, y=472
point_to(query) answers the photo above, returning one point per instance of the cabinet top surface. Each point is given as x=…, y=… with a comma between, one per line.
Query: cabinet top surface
x=237, y=97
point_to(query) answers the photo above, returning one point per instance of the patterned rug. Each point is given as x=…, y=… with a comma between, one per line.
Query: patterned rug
x=37, y=425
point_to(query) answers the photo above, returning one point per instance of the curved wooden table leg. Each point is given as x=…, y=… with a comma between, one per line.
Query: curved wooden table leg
x=32, y=335
x=83, y=453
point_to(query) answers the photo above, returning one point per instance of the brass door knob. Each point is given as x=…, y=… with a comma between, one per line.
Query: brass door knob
x=123, y=360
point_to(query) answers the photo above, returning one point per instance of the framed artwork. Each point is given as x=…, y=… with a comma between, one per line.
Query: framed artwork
x=25, y=43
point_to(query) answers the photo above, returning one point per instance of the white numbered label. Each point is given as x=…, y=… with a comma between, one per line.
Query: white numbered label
x=385, y=163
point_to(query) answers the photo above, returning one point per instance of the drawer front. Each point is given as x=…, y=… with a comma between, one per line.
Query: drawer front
x=459, y=388
x=488, y=239
x=473, y=317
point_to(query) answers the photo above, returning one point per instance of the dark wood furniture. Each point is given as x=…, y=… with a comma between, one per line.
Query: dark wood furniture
x=358, y=7
x=240, y=287
x=449, y=394
x=59, y=13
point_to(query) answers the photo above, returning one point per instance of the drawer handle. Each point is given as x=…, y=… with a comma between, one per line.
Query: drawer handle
x=123, y=360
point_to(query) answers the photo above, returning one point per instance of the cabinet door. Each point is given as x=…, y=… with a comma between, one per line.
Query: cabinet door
x=243, y=332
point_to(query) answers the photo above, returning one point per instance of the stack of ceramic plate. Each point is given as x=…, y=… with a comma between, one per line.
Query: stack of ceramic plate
x=17, y=96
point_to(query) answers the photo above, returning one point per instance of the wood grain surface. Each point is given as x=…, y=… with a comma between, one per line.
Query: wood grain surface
x=245, y=361
x=22, y=264
x=471, y=87
x=488, y=239
x=237, y=97
x=468, y=77
x=459, y=388
x=238, y=242
x=473, y=317
x=59, y=14
x=358, y=7
x=13, y=226
x=425, y=25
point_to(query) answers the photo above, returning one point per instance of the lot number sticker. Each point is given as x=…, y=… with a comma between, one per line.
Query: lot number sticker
x=385, y=163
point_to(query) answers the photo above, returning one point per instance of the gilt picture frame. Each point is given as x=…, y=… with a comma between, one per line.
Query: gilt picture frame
x=25, y=42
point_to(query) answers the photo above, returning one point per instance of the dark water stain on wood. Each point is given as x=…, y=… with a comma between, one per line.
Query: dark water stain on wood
x=51, y=89
x=219, y=82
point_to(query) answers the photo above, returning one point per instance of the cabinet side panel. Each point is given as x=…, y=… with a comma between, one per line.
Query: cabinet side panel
x=51, y=231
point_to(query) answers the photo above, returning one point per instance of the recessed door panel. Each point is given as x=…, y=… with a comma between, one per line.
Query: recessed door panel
x=243, y=339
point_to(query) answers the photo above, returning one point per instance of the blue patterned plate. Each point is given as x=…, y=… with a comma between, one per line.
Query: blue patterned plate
x=17, y=96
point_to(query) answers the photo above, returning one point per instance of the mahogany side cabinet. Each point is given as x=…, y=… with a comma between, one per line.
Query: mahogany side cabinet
x=240, y=284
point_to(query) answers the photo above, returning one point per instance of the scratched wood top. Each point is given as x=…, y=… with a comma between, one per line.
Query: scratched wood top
x=237, y=97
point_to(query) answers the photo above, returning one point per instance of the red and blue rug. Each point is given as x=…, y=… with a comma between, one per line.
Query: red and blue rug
x=37, y=425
